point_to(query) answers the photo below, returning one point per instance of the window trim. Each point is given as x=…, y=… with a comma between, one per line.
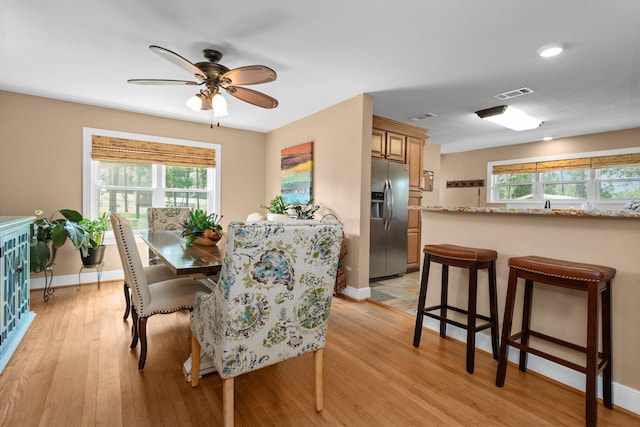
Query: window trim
x=89, y=172
x=591, y=190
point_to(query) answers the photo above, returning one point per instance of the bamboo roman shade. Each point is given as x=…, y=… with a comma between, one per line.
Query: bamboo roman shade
x=568, y=164
x=133, y=151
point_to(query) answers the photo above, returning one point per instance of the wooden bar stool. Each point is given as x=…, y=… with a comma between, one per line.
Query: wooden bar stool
x=594, y=279
x=473, y=259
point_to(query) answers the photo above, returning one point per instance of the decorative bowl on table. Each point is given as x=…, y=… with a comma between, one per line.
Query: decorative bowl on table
x=207, y=241
x=202, y=228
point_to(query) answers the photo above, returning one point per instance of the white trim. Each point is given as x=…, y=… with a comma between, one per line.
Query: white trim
x=358, y=294
x=567, y=204
x=623, y=396
x=87, y=132
x=89, y=275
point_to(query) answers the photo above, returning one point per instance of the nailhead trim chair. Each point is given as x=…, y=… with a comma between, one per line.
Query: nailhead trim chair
x=163, y=297
x=271, y=302
x=158, y=219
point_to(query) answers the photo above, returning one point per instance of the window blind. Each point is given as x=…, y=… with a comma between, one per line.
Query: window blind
x=568, y=164
x=134, y=151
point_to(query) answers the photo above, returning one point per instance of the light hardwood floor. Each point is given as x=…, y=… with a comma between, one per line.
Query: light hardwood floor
x=74, y=368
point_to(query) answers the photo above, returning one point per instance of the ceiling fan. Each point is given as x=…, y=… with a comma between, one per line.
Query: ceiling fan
x=215, y=76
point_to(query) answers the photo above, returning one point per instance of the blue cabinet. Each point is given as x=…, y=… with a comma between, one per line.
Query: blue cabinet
x=15, y=314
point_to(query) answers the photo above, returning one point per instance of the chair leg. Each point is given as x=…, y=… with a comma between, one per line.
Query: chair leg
x=142, y=332
x=134, y=328
x=526, y=322
x=127, y=302
x=506, y=327
x=317, y=378
x=227, y=401
x=195, y=361
x=444, y=300
x=607, y=373
x=471, y=319
x=493, y=310
x=417, y=333
x=591, y=409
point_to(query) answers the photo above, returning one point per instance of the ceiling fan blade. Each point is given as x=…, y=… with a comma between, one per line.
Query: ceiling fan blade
x=178, y=60
x=252, y=96
x=249, y=75
x=162, y=82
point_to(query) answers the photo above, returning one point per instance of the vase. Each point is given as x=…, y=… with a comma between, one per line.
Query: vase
x=94, y=257
x=203, y=241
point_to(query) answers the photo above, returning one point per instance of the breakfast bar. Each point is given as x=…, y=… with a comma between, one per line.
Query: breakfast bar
x=599, y=237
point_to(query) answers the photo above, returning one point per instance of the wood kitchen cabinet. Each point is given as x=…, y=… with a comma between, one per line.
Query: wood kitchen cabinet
x=388, y=145
x=404, y=143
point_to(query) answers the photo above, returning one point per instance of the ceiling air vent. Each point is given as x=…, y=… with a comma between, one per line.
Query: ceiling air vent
x=421, y=116
x=514, y=93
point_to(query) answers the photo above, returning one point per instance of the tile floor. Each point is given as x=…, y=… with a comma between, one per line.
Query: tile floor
x=398, y=292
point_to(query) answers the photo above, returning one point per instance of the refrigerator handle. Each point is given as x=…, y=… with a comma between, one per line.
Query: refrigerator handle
x=388, y=205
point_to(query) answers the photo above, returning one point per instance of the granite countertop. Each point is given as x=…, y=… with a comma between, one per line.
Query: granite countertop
x=543, y=212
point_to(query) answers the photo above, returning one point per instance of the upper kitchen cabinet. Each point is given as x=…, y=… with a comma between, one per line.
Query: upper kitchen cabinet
x=388, y=145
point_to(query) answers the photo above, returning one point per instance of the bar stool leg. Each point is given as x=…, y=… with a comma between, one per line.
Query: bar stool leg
x=417, y=333
x=592, y=355
x=471, y=319
x=506, y=327
x=444, y=298
x=493, y=309
x=607, y=373
x=526, y=322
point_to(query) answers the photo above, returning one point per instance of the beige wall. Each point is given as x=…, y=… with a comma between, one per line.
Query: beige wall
x=473, y=164
x=341, y=138
x=41, y=159
x=432, y=163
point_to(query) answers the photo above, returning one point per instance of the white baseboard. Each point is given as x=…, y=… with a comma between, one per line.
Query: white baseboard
x=358, y=294
x=88, y=275
x=623, y=396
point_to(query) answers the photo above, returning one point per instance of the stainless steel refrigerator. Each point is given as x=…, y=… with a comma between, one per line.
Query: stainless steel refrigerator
x=389, y=214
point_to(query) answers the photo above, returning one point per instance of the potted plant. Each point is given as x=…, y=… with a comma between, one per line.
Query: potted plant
x=49, y=234
x=277, y=209
x=202, y=228
x=91, y=247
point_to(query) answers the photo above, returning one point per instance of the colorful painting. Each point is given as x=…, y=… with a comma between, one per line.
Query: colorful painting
x=296, y=171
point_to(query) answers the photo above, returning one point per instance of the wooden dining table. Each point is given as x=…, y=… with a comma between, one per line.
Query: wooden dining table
x=195, y=260
x=182, y=259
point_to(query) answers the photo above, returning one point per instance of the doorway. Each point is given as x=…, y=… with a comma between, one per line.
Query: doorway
x=400, y=293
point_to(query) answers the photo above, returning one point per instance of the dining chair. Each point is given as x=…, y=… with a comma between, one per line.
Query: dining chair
x=164, y=297
x=164, y=219
x=271, y=302
x=158, y=219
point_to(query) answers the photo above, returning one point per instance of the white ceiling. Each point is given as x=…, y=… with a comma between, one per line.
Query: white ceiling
x=448, y=58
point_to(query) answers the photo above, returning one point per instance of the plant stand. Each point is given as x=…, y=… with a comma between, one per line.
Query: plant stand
x=48, y=280
x=98, y=268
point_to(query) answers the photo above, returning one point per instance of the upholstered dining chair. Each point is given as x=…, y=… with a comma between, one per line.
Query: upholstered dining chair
x=271, y=302
x=163, y=297
x=165, y=219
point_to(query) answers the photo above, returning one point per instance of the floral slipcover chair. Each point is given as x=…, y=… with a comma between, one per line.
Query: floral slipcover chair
x=271, y=302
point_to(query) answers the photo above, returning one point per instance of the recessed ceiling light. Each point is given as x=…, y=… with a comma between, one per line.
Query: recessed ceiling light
x=547, y=138
x=550, y=50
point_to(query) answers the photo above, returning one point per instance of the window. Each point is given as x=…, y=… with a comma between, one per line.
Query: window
x=128, y=173
x=606, y=178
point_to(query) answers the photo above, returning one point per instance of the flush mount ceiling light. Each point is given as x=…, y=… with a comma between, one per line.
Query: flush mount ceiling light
x=509, y=117
x=550, y=50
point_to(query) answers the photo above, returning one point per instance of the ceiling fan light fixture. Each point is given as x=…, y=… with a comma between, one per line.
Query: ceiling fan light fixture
x=219, y=105
x=509, y=117
x=194, y=103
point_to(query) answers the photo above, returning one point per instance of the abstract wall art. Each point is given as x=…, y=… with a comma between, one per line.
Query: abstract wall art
x=296, y=172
